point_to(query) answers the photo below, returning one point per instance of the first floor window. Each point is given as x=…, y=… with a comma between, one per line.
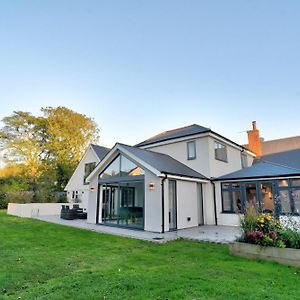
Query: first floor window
x=220, y=152
x=191, y=150
x=88, y=169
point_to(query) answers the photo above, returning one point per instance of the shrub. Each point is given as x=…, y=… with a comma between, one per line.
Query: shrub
x=3, y=200
x=291, y=238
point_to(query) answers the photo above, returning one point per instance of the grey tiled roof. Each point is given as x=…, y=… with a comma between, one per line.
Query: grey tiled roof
x=100, y=151
x=287, y=158
x=163, y=163
x=175, y=133
x=261, y=169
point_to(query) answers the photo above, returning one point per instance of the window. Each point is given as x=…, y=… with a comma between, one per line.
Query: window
x=244, y=160
x=191, y=150
x=231, y=197
x=220, y=152
x=88, y=169
x=122, y=167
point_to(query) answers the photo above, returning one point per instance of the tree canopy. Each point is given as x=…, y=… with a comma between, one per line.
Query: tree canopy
x=48, y=146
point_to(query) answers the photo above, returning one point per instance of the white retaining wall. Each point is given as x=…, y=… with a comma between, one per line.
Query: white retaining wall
x=29, y=210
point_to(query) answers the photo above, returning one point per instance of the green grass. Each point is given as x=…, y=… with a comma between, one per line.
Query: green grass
x=47, y=261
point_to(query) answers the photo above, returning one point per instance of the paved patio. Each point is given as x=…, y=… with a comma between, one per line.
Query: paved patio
x=215, y=234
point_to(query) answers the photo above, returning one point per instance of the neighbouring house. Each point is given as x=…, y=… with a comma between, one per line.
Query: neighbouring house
x=184, y=178
x=78, y=188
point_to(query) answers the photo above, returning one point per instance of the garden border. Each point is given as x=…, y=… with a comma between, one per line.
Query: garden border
x=287, y=256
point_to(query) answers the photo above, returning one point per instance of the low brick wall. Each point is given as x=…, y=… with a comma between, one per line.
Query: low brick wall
x=30, y=210
x=285, y=256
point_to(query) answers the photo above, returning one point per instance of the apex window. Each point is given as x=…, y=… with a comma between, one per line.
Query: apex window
x=220, y=152
x=88, y=169
x=191, y=150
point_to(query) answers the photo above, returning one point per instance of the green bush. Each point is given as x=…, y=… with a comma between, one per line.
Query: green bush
x=3, y=200
x=291, y=238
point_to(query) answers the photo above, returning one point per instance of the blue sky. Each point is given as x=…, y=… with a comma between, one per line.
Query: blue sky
x=142, y=67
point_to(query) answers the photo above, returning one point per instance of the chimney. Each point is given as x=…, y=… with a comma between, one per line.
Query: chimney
x=254, y=141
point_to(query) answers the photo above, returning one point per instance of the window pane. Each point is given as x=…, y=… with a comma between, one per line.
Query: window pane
x=237, y=203
x=129, y=168
x=296, y=198
x=283, y=183
x=244, y=160
x=296, y=182
x=226, y=185
x=267, y=197
x=235, y=185
x=220, y=152
x=227, y=201
x=251, y=198
x=191, y=146
x=284, y=197
x=88, y=168
x=112, y=170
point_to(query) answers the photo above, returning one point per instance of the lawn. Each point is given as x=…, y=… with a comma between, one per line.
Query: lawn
x=47, y=261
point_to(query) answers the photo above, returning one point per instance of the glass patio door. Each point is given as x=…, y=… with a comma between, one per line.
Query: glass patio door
x=172, y=205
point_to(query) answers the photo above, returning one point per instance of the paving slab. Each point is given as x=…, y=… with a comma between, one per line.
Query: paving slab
x=215, y=234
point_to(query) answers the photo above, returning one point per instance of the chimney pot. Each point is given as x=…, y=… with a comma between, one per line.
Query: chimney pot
x=254, y=125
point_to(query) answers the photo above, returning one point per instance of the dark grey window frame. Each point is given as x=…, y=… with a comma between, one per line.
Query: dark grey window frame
x=189, y=157
x=276, y=188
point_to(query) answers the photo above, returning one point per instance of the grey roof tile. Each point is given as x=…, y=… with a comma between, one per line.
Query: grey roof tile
x=100, y=151
x=261, y=169
x=175, y=133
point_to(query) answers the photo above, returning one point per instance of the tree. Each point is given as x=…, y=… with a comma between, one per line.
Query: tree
x=69, y=134
x=46, y=147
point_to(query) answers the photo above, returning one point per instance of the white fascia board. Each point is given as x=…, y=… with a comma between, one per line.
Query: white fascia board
x=86, y=151
x=184, y=178
x=257, y=179
x=219, y=138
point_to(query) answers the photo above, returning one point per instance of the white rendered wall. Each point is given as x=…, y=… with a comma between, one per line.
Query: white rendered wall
x=187, y=204
x=29, y=210
x=178, y=151
x=152, y=208
x=76, y=181
x=92, y=202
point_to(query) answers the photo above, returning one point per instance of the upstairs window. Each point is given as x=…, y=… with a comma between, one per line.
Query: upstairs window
x=191, y=150
x=244, y=160
x=220, y=152
x=88, y=169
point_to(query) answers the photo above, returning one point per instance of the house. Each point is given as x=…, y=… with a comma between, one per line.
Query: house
x=78, y=188
x=271, y=183
x=188, y=177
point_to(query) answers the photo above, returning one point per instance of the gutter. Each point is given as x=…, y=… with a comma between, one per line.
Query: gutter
x=163, y=203
x=215, y=204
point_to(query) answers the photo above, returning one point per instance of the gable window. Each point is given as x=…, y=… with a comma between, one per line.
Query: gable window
x=191, y=150
x=220, y=152
x=244, y=160
x=88, y=169
x=122, y=167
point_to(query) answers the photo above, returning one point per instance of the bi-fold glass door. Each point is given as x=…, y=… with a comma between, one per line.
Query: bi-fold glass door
x=123, y=204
